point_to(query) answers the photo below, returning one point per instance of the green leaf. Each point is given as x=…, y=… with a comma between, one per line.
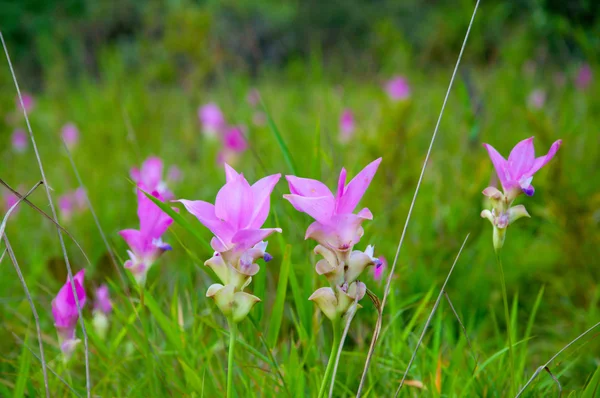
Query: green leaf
x=278, y=307
x=282, y=146
x=23, y=375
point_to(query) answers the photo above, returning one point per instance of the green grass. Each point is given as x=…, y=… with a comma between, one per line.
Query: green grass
x=176, y=343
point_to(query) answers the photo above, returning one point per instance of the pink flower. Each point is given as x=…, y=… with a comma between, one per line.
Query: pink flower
x=347, y=125
x=212, y=119
x=174, y=174
x=103, y=303
x=517, y=172
x=238, y=214
x=234, y=139
x=64, y=311
x=146, y=244
x=336, y=227
x=379, y=268
x=19, y=140
x=28, y=102
x=79, y=199
x=10, y=199
x=66, y=206
x=537, y=99
x=584, y=77
x=398, y=88
x=149, y=178
x=70, y=135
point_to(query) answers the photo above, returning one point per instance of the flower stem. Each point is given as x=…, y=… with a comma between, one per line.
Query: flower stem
x=335, y=345
x=508, y=324
x=232, y=337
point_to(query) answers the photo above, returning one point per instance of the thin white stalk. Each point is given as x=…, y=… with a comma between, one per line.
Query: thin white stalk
x=435, y=306
x=36, y=318
x=410, y=210
x=14, y=207
x=53, y=211
x=545, y=366
x=464, y=330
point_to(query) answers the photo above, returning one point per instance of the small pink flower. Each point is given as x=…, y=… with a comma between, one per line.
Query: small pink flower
x=66, y=206
x=234, y=140
x=379, y=268
x=584, y=77
x=347, y=126
x=28, y=102
x=537, y=99
x=70, y=135
x=19, y=140
x=212, y=119
x=336, y=226
x=398, y=88
x=103, y=303
x=65, y=313
x=79, y=199
x=146, y=243
x=10, y=199
x=253, y=97
x=517, y=172
x=149, y=177
x=174, y=174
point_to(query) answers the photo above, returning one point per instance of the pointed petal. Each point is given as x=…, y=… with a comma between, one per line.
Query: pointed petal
x=500, y=164
x=261, y=192
x=242, y=304
x=356, y=188
x=153, y=221
x=135, y=175
x=542, y=160
x=151, y=173
x=341, y=185
x=247, y=238
x=205, y=213
x=326, y=301
x=230, y=173
x=219, y=267
x=320, y=208
x=213, y=289
x=134, y=240
x=487, y=214
x=521, y=158
x=234, y=203
x=516, y=212
x=307, y=187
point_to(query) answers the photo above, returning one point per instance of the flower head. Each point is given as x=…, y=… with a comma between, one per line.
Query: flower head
x=146, y=244
x=379, y=268
x=70, y=135
x=336, y=226
x=212, y=119
x=65, y=313
x=149, y=177
x=347, y=125
x=517, y=172
x=584, y=77
x=398, y=88
x=19, y=140
x=234, y=140
x=28, y=102
x=103, y=302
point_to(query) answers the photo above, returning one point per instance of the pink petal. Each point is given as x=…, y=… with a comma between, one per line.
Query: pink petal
x=500, y=164
x=342, y=232
x=247, y=238
x=205, y=213
x=307, y=187
x=261, y=191
x=542, y=160
x=521, y=158
x=135, y=174
x=152, y=170
x=153, y=221
x=319, y=208
x=230, y=173
x=356, y=188
x=135, y=240
x=234, y=203
x=341, y=185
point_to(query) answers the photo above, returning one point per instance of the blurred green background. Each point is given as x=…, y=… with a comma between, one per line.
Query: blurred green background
x=131, y=75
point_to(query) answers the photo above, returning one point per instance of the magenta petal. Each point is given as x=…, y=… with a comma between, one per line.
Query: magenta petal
x=542, y=160
x=341, y=185
x=307, y=187
x=356, y=188
x=205, y=213
x=135, y=175
x=151, y=174
x=247, y=238
x=153, y=221
x=319, y=208
x=261, y=192
x=134, y=240
x=230, y=173
x=521, y=158
x=234, y=203
x=500, y=164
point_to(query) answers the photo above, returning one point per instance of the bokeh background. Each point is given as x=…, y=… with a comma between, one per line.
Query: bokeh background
x=130, y=76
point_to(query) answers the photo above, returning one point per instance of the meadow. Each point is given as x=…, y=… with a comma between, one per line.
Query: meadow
x=172, y=340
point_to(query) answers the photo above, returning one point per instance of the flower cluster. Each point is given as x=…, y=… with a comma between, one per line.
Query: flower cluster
x=236, y=220
x=233, y=138
x=337, y=229
x=515, y=175
x=66, y=315
x=72, y=203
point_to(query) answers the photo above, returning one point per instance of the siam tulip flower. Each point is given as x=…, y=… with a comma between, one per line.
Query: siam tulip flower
x=234, y=143
x=70, y=135
x=212, y=119
x=378, y=269
x=149, y=177
x=146, y=244
x=19, y=140
x=236, y=220
x=79, y=199
x=28, y=102
x=584, y=77
x=66, y=206
x=66, y=315
x=398, y=88
x=515, y=175
x=102, y=309
x=537, y=99
x=347, y=126
x=337, y=229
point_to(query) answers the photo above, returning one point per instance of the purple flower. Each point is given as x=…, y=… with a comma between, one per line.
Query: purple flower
x=336, y=226
x=584, y=77
x=28, y=102
x=347, y=125
x=146, y=244
x=64, y=311
x=103, y=303
x=537, y=99
x=517, y=172
x=398, y=88
x=70, y=135
x=19, y=140
x=212, y=119
x=149, y=177
x=239, y=212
